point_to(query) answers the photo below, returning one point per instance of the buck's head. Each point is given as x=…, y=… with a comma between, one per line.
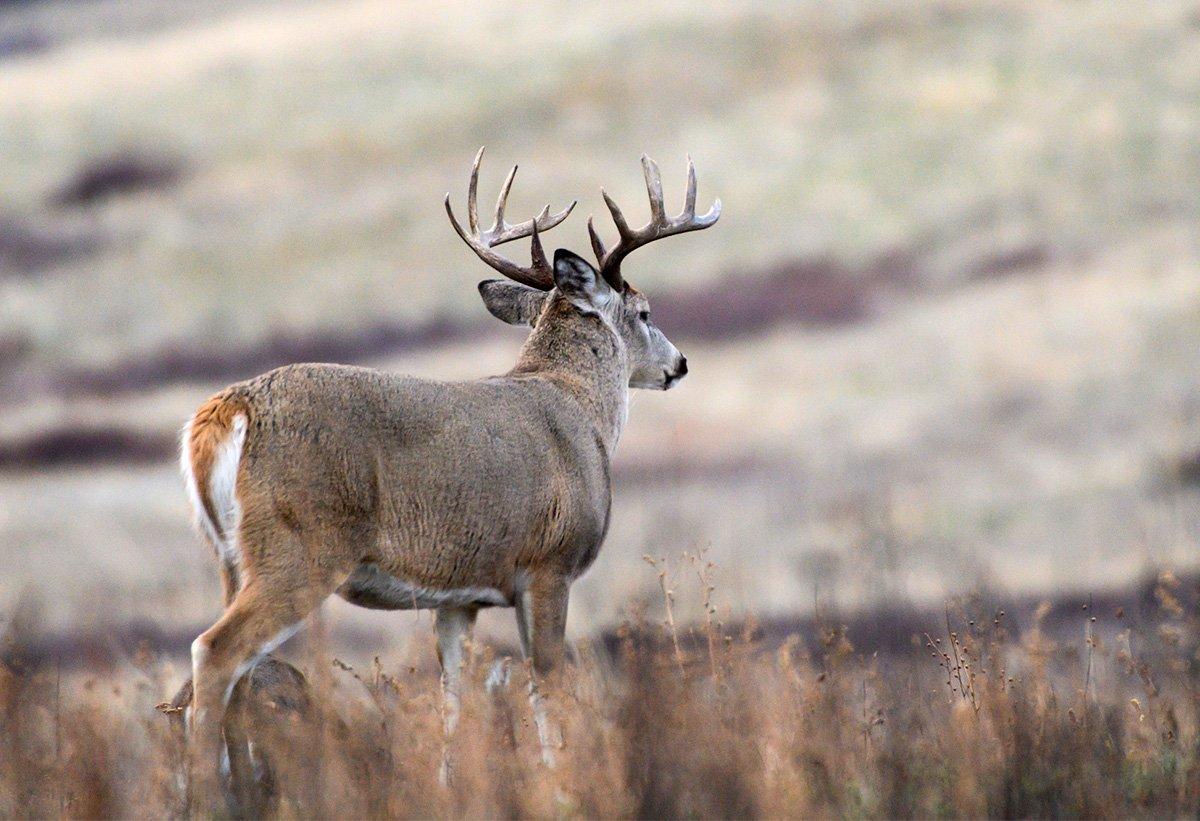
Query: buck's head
x=573, y=292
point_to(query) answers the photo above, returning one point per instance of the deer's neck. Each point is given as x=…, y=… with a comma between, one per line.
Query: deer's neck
x=585, y=357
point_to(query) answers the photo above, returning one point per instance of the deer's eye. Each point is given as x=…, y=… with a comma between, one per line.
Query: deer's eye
x=644, y=316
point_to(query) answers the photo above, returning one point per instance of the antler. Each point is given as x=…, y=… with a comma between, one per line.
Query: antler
x=539, y=274
x=660, y=224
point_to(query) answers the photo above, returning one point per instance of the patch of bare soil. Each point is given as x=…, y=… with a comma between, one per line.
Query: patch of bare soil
x=26, y=250
x=69, y=446
x=115, y=175
x=185, y=363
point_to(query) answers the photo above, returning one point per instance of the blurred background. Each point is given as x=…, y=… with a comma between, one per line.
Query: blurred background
x=946, y=336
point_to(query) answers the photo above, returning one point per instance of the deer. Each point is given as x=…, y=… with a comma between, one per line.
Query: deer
x=400, y=493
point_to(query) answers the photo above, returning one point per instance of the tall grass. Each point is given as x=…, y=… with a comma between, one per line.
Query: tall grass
x=698, y=721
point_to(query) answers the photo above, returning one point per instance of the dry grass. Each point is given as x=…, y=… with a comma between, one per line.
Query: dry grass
x=973, y=721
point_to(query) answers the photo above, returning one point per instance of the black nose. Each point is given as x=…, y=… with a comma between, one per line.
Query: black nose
x=682, y=369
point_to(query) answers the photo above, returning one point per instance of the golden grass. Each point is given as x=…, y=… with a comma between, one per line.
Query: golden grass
x=974, y=721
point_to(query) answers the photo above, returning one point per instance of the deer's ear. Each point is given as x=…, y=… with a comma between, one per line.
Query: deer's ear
x=512, y=302
x=579, y=282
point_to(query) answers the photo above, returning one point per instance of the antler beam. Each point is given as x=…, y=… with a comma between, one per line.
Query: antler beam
x=660, y=224
x=539, y=274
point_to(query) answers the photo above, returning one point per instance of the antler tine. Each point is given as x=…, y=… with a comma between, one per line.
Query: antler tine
x=472, y=193
x=502, y=200
x=498, y=235
x=617, y=217
x=654, y=190
x=539, y=274
x=454, y=221
x=557, y=218
x=714, y=214
x=660, y=224
x=537, y=255
x=689, y=199
x=597, y=243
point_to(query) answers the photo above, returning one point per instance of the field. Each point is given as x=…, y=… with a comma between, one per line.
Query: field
x=1051, y=711
x=944, y=347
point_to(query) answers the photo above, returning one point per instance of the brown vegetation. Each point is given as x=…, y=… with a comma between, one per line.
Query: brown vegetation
x=972, y=720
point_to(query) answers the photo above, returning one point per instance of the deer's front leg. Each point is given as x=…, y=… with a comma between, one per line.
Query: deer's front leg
x=542, y=620
x=454, y=626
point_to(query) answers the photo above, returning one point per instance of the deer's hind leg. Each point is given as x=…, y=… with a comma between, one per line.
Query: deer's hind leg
x=271, y=604
x=230, y=580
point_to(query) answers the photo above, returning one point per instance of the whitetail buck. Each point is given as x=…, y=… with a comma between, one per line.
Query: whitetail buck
x=399, y=493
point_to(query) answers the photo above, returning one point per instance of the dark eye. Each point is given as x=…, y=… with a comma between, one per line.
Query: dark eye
x=644, y=316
